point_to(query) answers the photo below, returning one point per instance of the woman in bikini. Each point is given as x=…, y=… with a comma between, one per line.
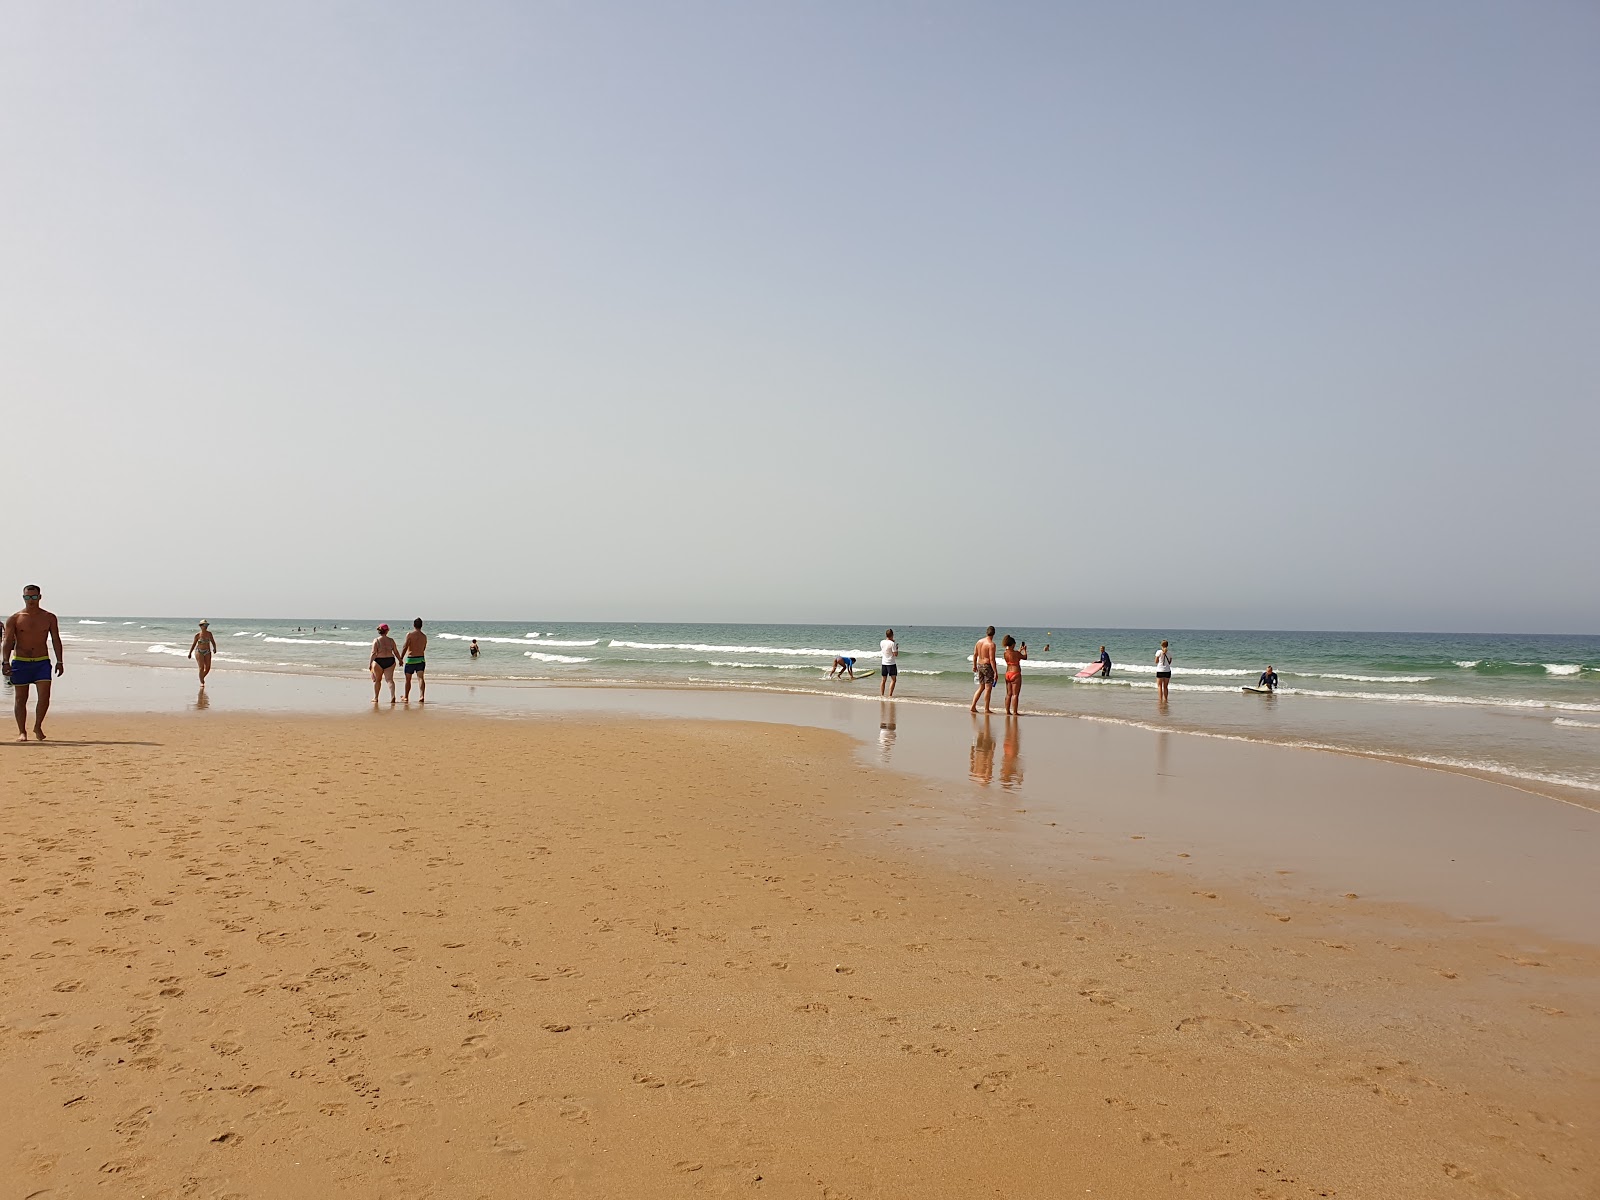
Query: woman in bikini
x=384, y=655
x=1014, y=656
x=200, y=650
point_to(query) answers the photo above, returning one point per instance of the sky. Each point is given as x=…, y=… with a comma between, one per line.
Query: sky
x=1234, y=315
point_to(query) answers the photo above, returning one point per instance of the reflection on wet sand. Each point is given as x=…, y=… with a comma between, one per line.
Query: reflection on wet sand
x=885, y=728
x=1010, y=755
x=982, y=768
x=202, y=701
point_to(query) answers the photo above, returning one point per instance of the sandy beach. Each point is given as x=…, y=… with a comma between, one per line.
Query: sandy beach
x=433, y=955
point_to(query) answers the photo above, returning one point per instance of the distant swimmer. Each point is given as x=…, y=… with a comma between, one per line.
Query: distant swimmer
x=843, y=665
x=25, y=658
x=891, y=662
x=983, y=673
x=473, y=649
x=1268, y=680
x=384, y=655
x=1015, y=656
x=1105, y=664
x=1163, y=671
x=201, y=649
x=416, y=654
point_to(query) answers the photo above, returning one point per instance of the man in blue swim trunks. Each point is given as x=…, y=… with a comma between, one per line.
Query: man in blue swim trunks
x=25, y=660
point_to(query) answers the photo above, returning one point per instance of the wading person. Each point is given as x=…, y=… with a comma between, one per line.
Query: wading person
x=25, y=659
x=416, y=653
x=891, y=663
x=1014, y=655
x=201, y=649
x=1163, y=671
x=983, y=673
x=384, y=655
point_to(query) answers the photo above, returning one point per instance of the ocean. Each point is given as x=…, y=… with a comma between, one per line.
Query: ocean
x=1520, y=708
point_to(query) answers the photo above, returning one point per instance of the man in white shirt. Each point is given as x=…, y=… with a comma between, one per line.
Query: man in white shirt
x=891, y=660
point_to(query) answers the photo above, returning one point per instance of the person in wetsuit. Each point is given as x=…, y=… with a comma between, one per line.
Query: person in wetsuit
x=1268, y=680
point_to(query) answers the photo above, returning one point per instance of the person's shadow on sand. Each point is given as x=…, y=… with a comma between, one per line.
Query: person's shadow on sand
x=54, y=741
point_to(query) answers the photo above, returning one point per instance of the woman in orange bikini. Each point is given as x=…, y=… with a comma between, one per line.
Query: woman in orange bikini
x=1014, y=656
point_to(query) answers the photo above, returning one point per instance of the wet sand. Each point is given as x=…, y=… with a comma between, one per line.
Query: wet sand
x=422, y=954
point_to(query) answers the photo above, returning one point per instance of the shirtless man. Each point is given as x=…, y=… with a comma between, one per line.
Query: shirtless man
x=25, y=661
x=416, y=656
x=983, y=670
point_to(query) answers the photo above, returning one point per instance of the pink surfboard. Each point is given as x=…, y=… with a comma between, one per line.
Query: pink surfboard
x=1091, y=669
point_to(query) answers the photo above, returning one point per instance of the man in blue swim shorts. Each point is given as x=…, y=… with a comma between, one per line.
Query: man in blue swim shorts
x=25, y=659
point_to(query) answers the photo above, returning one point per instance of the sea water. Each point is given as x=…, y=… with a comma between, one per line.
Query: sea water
x=1525, y=708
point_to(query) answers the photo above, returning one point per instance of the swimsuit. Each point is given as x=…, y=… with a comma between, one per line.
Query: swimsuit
x=30, y=670
x=415, y=664
x=986, y=675
x=1013, y=666
x=384, y=664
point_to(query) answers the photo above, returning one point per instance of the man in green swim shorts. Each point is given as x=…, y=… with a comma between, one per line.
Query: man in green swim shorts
x=416, y=656
x=25, y=661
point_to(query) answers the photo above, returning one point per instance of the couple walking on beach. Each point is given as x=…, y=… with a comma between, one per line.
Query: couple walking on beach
x=986, y=674
x=385, y=654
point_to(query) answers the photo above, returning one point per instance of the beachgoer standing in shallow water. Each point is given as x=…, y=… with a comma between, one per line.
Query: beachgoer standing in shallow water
x=384, y=654
x=416, y=652
x=1105, y=664
x=205, y=642
x=891, y=662
x=1163, y=671
x=983, y=672
x=473, y=649
x=25, y=660
x=1014, y=657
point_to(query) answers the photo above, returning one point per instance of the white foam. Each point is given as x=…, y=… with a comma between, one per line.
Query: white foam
x=1575, y=724
x=1372, y=678
x=766, y=666
x=1050, y=664
x=1425, y=698
x=86, y=621
x=158, y=648
x=246, y=633
x=127, y=622
x=467, y=637
x=294, y=641
x=1468, y=664
x=563, y=658
x=1561, y=668
x=703, y=648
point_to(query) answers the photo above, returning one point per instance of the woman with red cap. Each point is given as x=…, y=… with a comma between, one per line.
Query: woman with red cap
x=384, y=655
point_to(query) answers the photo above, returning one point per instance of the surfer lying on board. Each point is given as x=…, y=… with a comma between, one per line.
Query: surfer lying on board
x=843, y=665
x=1268, y=680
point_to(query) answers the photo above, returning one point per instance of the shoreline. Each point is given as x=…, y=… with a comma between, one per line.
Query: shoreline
x=1442, y=839
x=1563, y=791
x=433, y=951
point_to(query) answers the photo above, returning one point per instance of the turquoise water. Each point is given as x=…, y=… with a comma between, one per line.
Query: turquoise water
x=1524, y=708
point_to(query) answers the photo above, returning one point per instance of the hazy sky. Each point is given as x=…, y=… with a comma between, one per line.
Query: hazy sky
x=1257, y=315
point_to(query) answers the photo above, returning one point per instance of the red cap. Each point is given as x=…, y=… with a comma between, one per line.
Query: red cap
x=383, y=629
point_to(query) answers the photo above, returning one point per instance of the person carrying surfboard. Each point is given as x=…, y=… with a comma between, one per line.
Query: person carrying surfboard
x=1268, y=680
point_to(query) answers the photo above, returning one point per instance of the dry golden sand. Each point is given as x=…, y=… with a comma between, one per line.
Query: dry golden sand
x=423, y=956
